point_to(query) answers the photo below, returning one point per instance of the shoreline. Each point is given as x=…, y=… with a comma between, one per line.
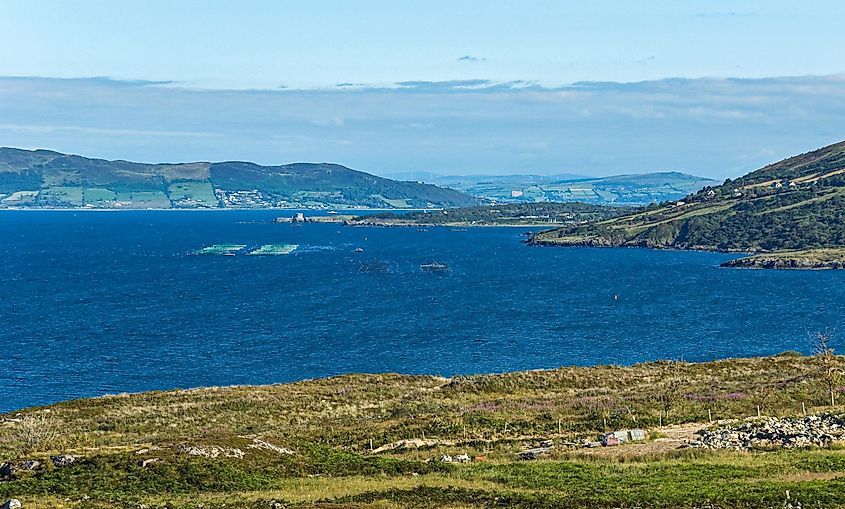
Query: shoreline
x=359, y=374
x=177, y=209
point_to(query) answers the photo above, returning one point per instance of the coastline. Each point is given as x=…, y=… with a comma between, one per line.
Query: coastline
x=209, y=209
x=831, y=258
x=539, y=372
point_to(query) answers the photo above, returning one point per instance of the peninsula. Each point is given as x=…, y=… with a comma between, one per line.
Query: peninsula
x=542, y=214
x=786, y=208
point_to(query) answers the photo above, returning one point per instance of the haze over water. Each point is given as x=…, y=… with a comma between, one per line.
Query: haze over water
x=97, y=303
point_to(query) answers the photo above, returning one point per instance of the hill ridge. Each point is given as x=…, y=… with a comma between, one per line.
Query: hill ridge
x=44, y=178
x=794, y=204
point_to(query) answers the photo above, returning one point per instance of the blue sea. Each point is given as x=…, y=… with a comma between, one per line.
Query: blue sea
x=96, y=303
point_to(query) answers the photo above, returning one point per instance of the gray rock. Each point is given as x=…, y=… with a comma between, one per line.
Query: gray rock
x=63, y=460
x=147, y=462
x=29, y=465
x=11, y=504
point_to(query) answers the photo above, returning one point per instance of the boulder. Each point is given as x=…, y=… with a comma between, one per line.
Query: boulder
x=12, y=503
x=63, y=460
x=147, y=462
x=6, y=469
x=29, y=465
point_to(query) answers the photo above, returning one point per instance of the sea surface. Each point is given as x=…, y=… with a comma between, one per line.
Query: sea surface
x=96, y=303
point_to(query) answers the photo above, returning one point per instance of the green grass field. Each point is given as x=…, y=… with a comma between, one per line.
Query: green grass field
x=71, y=196
x=150, y=199
x=193, y=193
x=97, y=196
x=309, y=444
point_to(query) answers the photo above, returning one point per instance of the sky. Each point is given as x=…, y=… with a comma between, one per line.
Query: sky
x=715, y=88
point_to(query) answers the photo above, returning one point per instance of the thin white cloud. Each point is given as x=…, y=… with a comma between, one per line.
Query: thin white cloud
x=46, y=129
x=715, y=127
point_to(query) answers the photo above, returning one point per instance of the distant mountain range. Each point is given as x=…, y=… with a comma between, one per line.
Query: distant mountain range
x=635, y=189
x=797, y=204
x=47, y=179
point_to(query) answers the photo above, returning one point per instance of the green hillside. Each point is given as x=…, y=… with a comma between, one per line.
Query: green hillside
x=423, y=442
x=794, y=204
x=46, y=179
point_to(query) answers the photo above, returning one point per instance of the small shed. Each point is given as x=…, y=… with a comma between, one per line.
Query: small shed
x=636, y=434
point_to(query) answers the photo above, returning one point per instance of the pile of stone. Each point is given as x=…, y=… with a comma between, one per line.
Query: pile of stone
x=212, y=451
x=810, y=431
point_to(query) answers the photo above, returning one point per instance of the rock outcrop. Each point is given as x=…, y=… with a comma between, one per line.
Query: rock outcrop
x=810, y=431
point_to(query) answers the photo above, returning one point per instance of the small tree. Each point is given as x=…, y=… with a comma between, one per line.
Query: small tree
x=829, y=372
x=668, y=396
x=34, y=431
x=760, y=396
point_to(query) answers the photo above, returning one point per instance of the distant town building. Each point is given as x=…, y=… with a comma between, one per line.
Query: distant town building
x=516, y=193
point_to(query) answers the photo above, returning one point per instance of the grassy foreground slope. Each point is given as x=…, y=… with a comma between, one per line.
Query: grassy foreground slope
x=795, y=204
x=367, y=441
